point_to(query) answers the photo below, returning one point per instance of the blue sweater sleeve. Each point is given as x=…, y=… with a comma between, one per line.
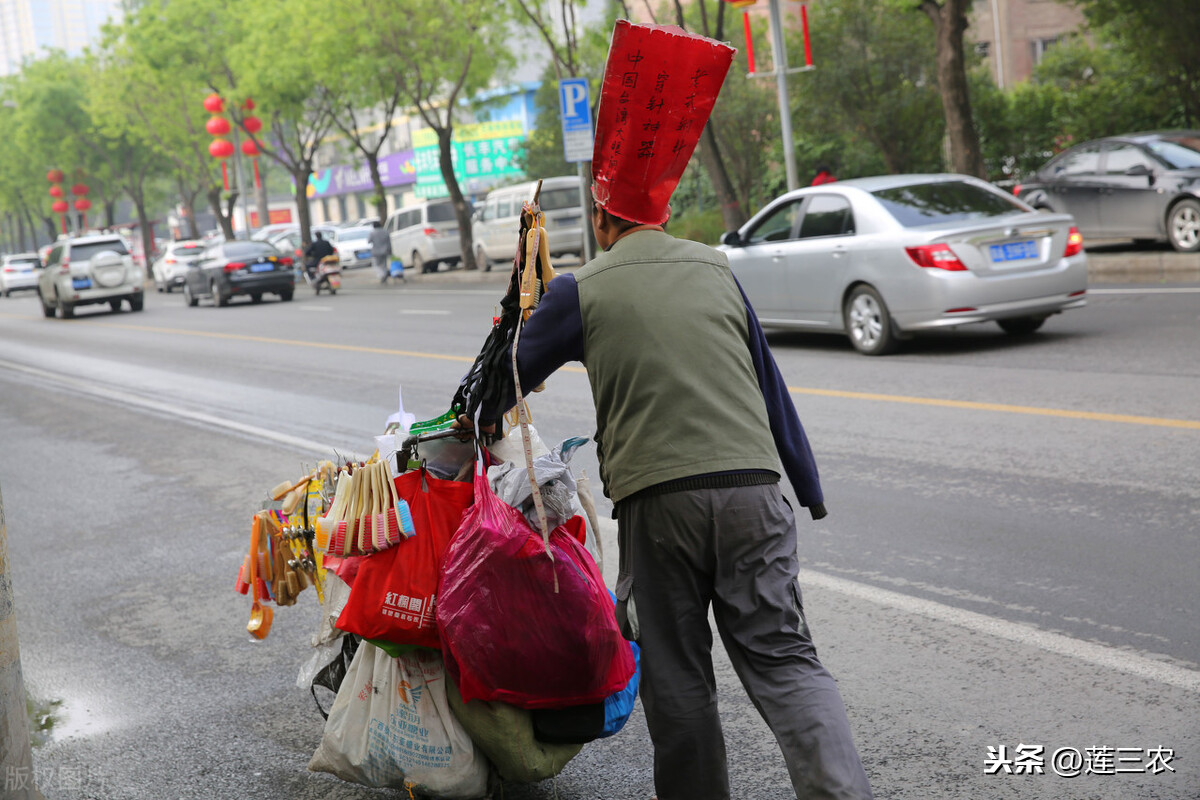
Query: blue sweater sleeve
x=790, y=439
x=552, y=336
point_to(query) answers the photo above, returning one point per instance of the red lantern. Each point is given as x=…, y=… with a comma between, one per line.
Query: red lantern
x=214, y=104
x=80, y=189
x=248, y=105
x=217, y=126
x=55, y=176
x=252, y=124
x=249, y=148
x=220, y=148
x=56, y=191
x=83, y=204
x=60, y=206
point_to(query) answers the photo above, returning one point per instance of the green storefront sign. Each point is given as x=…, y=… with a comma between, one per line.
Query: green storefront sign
x=483, y=155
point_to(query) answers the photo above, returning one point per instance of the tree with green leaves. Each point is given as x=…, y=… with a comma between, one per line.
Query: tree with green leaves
x=1162, y=36
x=949, y=18
x=356, y=85
x=164, y=90
x=440, y=52
x=874, y=82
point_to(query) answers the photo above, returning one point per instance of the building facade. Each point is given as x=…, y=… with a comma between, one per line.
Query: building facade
x=30, y=27
x=1014, y=35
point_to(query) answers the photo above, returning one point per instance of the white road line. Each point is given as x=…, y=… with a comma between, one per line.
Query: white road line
x=433, y=312
x=315, y=308
x=1097, y=654
x=1164, y=290
x=1089, y=652
x=170, y=410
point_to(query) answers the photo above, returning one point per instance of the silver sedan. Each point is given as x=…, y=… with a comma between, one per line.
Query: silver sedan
x=879, y=259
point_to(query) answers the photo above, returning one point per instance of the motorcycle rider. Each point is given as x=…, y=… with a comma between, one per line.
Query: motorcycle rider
x=319, y=249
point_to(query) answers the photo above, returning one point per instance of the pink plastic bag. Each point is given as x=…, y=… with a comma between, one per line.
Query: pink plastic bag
x=506, y=635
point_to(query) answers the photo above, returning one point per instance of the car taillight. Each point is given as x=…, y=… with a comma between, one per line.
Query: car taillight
x=1074, y=243
x=287, y=262
x=234, y=266
x=430, y=231
x=1017, y=190
x=168, y=261
x=935, y=256
x=64, y=265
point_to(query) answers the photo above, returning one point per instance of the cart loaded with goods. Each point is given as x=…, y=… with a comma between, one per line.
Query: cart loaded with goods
x=465, y=628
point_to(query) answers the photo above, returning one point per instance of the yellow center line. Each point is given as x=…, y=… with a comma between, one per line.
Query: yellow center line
x=1094, y=416
x=1128, y=419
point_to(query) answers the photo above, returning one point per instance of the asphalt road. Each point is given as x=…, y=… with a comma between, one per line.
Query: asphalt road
x=1010, y=559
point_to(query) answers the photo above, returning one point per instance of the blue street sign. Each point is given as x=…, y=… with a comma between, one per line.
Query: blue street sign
x=575, y=110
x=574, y=105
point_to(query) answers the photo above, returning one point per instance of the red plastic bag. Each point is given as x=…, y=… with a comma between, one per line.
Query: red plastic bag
x=506, y=635
x=394, y=594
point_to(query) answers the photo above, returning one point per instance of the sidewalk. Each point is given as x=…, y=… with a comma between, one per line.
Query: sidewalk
x=1108, y=262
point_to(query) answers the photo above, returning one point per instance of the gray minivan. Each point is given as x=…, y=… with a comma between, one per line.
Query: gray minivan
x=425, y=235
x=496, y=225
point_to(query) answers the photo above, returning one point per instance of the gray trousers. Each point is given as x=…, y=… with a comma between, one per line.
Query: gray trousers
x=735, y=549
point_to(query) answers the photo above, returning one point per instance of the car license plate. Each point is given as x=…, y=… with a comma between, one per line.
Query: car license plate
x=1014, y=251
x=363, y=254
x=266, y=267
x=27, y=269
x=81, y=283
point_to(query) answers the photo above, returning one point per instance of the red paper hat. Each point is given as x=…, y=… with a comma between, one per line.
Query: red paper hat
x=660, y=84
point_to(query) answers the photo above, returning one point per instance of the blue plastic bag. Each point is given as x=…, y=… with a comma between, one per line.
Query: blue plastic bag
x=618, y=707
x=397, y=269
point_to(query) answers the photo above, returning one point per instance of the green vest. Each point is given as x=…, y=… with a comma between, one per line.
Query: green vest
x=665, y=346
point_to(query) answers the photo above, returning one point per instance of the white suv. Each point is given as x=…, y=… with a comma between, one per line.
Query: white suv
x=83, y=270
x=425, y=236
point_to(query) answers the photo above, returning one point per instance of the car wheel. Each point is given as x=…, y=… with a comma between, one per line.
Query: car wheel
x=1183, y=226
x=158, y=287
x=1020, y=326
x=47, y=311
x=418, y=263
x=115, y=305
x=136, y=303
x=867, y=322
x=65, y=310
x=286, y=295
x=256, y=297
x=188, y=297
x=219, y=298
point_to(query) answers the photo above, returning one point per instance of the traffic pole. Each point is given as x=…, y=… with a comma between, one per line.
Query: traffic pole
x=16, y=755
x=785, y=112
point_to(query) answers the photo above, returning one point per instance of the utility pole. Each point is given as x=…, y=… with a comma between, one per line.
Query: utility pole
x=779, y=55
x=16, y=756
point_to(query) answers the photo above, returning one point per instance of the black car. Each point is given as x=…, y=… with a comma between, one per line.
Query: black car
x=227, y=269
x=1138, y=186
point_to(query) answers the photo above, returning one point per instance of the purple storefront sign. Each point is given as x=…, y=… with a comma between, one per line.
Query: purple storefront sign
x=396, y=169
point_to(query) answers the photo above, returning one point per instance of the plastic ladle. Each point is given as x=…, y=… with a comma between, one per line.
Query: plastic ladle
x=260, y=616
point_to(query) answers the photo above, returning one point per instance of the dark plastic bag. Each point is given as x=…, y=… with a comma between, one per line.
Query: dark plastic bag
x=506, y=634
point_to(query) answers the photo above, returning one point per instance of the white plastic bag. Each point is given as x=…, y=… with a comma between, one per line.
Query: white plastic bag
x=391, y=726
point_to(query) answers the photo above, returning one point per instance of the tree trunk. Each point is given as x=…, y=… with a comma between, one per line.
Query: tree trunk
x=16, y=758
x=300, y=181
x=53, y=226
x=950, y=21
x=260, y=196
x=224, y=219
x=732, y=214
x=377, y=182
x=21, y=233
x=32, y=226
x=144, y=228
x=110, y=214
x=189, y=208
x=461, y=210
